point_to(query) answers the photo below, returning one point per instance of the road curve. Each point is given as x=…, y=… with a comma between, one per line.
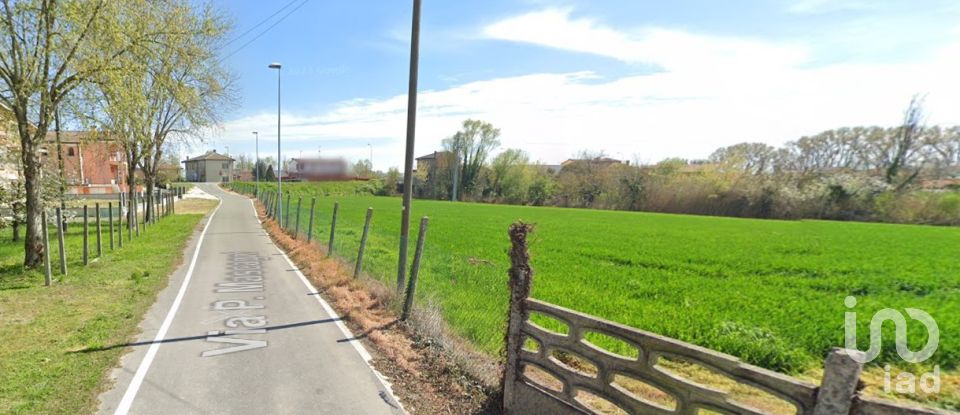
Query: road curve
x=239, y=330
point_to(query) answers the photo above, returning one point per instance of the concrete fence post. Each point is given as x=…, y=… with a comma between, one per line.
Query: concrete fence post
x=110, y=222
x=296, y=227
x=521, y=280
x=99, y=233
x=63, y=251
x=48, y=271
x=841, y=376
x=86, y=237
x=363, y=243
x=333, y=228
x=313, y=204
x=414, y=270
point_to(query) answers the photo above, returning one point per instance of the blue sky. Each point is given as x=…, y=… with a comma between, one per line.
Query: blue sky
x=639, y=80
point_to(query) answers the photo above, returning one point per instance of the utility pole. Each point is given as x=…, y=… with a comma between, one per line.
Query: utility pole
x=411, y=134
x=456, y=177
x=277, y=66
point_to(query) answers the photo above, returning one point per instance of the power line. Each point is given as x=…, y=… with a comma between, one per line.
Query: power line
x=260, y=23
x=264, y=31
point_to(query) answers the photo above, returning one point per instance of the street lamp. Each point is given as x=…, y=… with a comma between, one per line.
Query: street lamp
x=256, y=165
x=276, y=66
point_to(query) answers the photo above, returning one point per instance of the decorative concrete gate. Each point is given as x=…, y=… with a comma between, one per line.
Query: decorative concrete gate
x=555, y=373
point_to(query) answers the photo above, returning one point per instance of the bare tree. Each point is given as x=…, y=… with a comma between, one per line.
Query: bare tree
x=471, y=146
x=186, y=86
x=905, y=145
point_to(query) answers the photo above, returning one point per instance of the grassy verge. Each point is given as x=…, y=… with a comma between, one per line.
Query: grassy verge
x=44, y=329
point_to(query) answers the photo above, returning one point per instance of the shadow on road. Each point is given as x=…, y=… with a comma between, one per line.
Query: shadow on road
x=200, y=337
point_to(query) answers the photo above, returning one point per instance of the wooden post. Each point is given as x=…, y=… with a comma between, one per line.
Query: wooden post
x=521, y=280
x=363, y=243
x=313, y=204
x=414, y=270
x=99, y=235
x=296, y=228
x=333, y=228
x=129, y=207
x=135, y=222
x=841, y=374
x=110, y=222
x=120, y=222
x=266, y=203
x=269, y=205
x=48, y=272
x=86, y=237
x=63, y=252
x=286, y=214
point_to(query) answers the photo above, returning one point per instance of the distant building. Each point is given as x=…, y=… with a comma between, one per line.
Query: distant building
x=9, y=146
x=316, y=169
x=552, y=168
x=599, y=161
x=91, y=164
x=429, y=161
x=243, y=175
x=210, y=167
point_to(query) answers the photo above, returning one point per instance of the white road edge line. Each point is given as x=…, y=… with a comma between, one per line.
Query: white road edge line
x=124, y=407
x=347, y=334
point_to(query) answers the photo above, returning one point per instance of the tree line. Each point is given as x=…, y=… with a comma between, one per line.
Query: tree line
x=907, y=173
x=142, y=74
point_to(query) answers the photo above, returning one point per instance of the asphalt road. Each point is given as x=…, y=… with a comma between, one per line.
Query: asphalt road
x=239, y=330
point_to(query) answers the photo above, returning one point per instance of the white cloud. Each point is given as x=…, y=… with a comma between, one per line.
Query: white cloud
x=828, y=6
x=669, y=49
x=686, y=110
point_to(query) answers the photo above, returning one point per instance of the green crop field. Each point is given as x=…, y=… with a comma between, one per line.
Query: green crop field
x=769, y=292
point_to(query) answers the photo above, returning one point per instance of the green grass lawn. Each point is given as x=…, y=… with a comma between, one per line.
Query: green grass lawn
x=44, y=330
x=769, y=292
